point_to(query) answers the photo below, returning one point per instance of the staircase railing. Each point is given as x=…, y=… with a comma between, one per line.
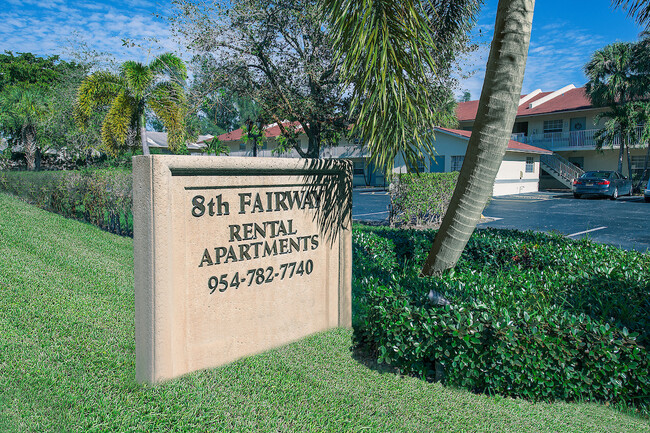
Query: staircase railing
x=561, y=166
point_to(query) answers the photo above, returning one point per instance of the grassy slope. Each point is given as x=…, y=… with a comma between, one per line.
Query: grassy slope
x=67, y=360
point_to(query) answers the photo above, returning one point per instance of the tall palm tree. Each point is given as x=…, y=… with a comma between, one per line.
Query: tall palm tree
x=612, y=84
x=126, y=97
x=393, y=37
x=21, y=111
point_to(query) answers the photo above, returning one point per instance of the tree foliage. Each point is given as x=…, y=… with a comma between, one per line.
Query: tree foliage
x=619, y=80
x=35, y=102
x=398, y=57
x=277, y=53
x=124, y=98
x=637, y=9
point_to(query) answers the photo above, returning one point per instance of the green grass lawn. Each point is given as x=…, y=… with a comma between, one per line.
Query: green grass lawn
x=67, y=361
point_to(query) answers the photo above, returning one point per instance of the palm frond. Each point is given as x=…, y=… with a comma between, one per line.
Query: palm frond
x=169, y=65
x=167, y=101
x=387, y=47
x=138, y=77
x=97, y=91
x=118, y=123
x=637, y=9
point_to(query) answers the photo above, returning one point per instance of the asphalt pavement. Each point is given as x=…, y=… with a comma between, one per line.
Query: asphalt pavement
x=624, y=223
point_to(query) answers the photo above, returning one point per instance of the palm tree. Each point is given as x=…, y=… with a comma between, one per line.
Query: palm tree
x=639, y=9
x=126, y=97
x=393, y=38
x=21, y=111
x=611, y=84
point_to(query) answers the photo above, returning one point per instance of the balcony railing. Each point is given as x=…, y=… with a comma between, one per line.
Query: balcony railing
x=572, y=140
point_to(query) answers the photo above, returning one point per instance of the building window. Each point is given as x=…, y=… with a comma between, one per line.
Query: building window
x=636, y=163
x=421, y=167
x=530, y=164
x=552, y=126
x=242, y=145
x=359, y=167
x=457, y=162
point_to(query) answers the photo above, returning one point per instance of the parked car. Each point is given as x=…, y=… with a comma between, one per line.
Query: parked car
x=611, y=184
x=646, y=193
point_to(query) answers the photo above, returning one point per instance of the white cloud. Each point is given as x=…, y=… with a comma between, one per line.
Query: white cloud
x=45, y=27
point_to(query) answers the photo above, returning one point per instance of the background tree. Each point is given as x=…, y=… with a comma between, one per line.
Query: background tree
x=395, y=37
x=125, y=98
x=32, y=99
x=277, y=53
x=21, y=113
x=618, y=79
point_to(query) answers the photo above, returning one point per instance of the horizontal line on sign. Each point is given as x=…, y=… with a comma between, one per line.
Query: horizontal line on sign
x=586, y=231
x=368, y=214
x=315, y=172
x=284, y=185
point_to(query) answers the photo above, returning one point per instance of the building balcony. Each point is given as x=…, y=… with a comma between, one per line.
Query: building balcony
x=571, y=140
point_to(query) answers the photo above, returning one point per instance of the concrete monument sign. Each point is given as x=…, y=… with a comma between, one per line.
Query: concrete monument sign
x=234, y=256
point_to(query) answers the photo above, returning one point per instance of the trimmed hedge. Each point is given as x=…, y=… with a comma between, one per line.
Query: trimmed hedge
x=533, y=316
x=100, y=197
x=421, y=199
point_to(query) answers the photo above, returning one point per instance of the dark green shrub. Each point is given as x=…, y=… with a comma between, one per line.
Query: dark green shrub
x=421, y=199
x=532, y=315
x=100, y=197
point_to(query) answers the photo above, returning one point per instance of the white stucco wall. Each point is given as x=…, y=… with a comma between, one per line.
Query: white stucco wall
x=511, y=177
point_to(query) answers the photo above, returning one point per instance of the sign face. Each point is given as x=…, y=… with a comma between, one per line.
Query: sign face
x=234, y=256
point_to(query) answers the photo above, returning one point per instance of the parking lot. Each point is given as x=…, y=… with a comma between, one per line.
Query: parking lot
x=624, y=223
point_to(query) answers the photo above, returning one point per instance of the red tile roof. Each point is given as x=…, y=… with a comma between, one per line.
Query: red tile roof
x=512, y=144
x=574, y=99
x=270, y=131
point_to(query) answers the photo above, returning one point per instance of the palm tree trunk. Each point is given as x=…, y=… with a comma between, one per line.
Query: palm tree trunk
x=620, y=155
x=29, y=147
x=495, y=117
x=143, y=134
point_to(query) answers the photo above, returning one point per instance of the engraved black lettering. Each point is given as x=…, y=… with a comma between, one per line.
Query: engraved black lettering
x=273, y=224
x=256, y=246
x=260, y=230
x=269, y=202
x=314, y=242
x=223, y=207
x=244, y=200
x=231, y=255
x=206, y=259
x=290, y=228
x=268, y=251
x=280, y=198
x=283, y=246
x=219, y=253
x=294, y=245
x=199, y=208
x=211, y=207
x=248, y=231
x=234, y=232
x=243, y=252
x=258, y=204
x=295, y=197
x=282, y=230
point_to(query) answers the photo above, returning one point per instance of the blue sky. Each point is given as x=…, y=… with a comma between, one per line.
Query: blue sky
x=565, y=33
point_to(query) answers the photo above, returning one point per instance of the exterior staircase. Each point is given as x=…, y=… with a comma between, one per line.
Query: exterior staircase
x=560, y=168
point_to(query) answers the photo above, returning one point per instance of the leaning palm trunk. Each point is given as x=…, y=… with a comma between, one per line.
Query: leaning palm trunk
x=492, y=129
